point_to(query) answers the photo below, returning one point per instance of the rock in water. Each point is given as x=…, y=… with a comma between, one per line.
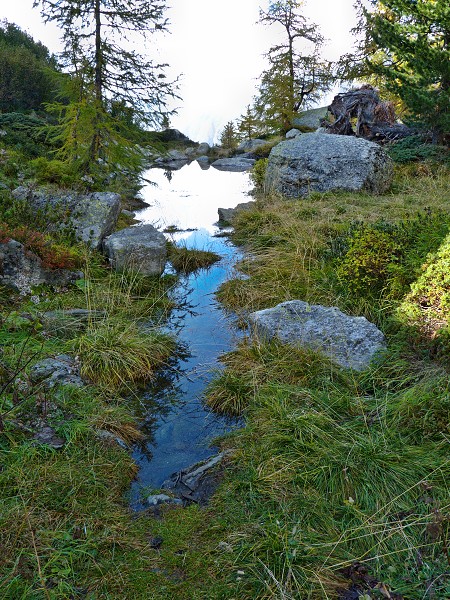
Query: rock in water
x=322, y=162
x=349, y=341
x=235, y=163
x=139, y=249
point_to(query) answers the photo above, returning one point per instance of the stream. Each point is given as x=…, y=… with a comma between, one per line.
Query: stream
x=178, y=427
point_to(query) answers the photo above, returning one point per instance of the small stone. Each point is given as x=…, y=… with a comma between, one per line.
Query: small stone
x=156, y=542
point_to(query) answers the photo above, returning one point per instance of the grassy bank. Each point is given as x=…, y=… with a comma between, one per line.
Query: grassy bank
x=338, y=479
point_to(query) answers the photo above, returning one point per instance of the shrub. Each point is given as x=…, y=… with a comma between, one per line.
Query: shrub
x=368, y=262
x=53, y=171
x=258, y=173
x=415, y=148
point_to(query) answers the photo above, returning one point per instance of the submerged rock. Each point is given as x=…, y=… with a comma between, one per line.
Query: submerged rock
x=351, y=342
x=323, y=162
x=140, y=249
x=197, y=483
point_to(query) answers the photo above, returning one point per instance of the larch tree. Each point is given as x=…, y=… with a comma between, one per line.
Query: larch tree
x=297, y=74
x=100, y=37
x=407, y=45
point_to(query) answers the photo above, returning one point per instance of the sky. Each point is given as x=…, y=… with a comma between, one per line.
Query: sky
x=218, y=49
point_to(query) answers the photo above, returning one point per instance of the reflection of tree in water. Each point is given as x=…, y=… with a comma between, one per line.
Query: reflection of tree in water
x=168, y=174
x=159, y=397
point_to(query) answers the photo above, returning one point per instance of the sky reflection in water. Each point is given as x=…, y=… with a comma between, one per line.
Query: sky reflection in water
x=178, y=427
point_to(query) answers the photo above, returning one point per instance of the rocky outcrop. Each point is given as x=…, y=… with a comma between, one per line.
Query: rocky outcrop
x=233, y=164
x=93, y=216
x=226, y=215
x=174, y=159
x=351, y=342
x=139, y=249
x=21, y=270
x=323, y=162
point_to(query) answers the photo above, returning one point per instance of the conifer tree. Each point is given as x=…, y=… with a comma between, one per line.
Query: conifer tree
x=248, y=124
x=99, y=41
x=229, y=137
x=296, y=75
x=408, y=45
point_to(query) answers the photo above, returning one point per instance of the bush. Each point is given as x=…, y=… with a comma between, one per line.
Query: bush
x=415, y=148
x=53, y=171
x=258, y=173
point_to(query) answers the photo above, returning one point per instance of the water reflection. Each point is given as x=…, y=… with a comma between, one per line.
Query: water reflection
x=178, y=427
x=191, y=197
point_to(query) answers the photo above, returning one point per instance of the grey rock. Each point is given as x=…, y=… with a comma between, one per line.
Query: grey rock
x=321, y=162
x=60, y=370
x=203, y=159
x=158, y=499
x=226, y=215
x=47, y=435
x=203, y=148
x=310, y=118
x=139, y=249
x=128, y=213
x=21, y=270
x=233, y=164
x=351, y=342
x=111, y=438
x=93, y=216
x=292, y=133
x=198, y=482
x=251, y=145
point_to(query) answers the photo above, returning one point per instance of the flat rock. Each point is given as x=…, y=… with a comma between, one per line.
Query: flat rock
x=235, y=163
x=140, y=249
x=351, y=342
x=323, y=162
x=60, y=370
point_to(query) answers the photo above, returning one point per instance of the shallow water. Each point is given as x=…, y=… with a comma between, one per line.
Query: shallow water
x=179, y=428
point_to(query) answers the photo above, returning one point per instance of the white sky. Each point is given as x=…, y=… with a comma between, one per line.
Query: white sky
x=217, y=47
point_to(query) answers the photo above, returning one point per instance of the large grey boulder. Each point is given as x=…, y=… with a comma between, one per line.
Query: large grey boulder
x=311, y=118
x=323, y=162
x=138, y=249
x=351, y=342
x=293, y=133
x=251, y=145
x=235, y=163
x=93, y=216
x=22, y=270
x=203, y=148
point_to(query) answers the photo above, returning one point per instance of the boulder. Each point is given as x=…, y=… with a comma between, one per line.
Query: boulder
x=21, y=270
x=226, y=215
x=93, y=216
x=310, y=119
x=323, y=162
x=292, y=133
x=61, y=370
x=351, y=342
x=233, y=164
x=250, y=145
x=203, y=148
x=140, y=249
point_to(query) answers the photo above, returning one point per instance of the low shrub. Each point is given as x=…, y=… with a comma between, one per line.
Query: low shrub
x=258, y=173
x=54, y=171
x=416, y=148
x=186, y=260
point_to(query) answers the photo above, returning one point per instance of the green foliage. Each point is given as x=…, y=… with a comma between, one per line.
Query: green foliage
x=114, y=354
x=229, y=137
x=414, y=39
x=249, y=124
x=25, y=134
x=367, y=263
x=258, y=173
x=415, y=148
x=295, y=76
x=54, y=171
x=26, y=71
x=187, y=260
